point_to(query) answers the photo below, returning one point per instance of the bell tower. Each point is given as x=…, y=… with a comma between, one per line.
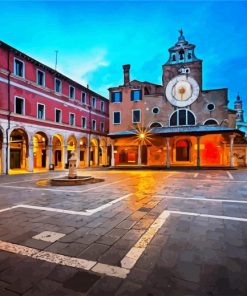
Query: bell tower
x=238, y=106
x=182, y=60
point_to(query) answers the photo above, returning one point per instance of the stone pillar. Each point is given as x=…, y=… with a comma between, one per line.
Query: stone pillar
x=65, y=155
x=96, y=155
x=4, y=168
x=48, y=156
x=139, y=156
x=168, y=162
x=112, y=155
x=30, y=158
x=78, y=156
x=198, y=159
x=231, y=150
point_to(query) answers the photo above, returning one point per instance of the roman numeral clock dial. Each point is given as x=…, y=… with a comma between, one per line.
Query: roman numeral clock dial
x=182, y=91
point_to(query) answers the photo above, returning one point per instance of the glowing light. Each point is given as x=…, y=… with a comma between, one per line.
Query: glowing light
x=81, y=142
x=43, y=139
x=142, y=135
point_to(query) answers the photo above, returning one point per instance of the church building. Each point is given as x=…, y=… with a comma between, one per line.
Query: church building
x=177, y=123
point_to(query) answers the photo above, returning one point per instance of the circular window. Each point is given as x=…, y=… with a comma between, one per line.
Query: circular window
x=155, y=110
x=211, y=107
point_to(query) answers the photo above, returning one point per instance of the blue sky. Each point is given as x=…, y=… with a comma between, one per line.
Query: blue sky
x=96, y=38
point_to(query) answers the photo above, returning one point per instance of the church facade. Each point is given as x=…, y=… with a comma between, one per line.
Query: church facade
x=176, y=123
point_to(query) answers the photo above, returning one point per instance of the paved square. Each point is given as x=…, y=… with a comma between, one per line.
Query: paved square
x=137, y=233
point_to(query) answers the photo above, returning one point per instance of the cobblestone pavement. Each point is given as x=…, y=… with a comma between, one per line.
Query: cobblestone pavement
x=151, y=233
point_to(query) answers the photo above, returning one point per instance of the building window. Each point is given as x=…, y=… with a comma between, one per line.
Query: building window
x=93, y=102
x=71, y=92
x=136, y=95
x=210, y=107
x=155, y=124
x=116, y=117
x=182, y=117
x=102, y=106
x=58, y=115
x=58, y=85
x=211, y=122
x=72, y=119
x=41, y=111
x=116, y=97
x=94, y=125
x=156, y=110
x=102, y=127
x=173, y=57
x=40, y=78
x=136, y=116
x=19, y=68
x=83, y=98
x=83, y=122
x=19, y=106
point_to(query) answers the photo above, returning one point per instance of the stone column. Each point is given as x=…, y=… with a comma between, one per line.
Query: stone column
x=168, y=162
x=30, y=158
x=4, y=168
x=198, y=159
x=78, y=150
x=48, y=155
x=96, y=155
x=231, y=150
x=112, y=155
x=139, y=156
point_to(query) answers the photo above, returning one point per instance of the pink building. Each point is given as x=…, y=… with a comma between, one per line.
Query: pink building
x=44, y=116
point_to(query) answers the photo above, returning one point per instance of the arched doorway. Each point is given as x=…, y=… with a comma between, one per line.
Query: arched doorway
x=18, y=149
x=183, y=150
x=83, y=152
x=40, y=142
x=57, y=151
x=71, y=146
x=94, y=152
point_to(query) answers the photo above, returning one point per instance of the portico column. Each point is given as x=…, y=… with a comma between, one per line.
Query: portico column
x=168, y=163
x=30, y=158
x=112, y=155
x=65, y=155
x=139, y=157
x=78, y=156
x=231, y=150
x=4, y=147
x=49, y=156
x=198, y=152
x=96, y=155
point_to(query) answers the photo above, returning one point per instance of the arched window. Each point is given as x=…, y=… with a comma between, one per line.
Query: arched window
x=211, y=122
x=182, y=117
x=155, y=124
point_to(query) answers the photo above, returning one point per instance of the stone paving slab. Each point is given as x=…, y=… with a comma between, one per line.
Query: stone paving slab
x=189, y=255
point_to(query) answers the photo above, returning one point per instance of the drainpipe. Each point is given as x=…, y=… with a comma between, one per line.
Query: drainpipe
x=8, y=116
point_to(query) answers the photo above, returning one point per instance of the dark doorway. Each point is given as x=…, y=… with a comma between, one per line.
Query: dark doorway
x=15, y=158
x=43, y=158
x=144, y=154
x=183, y=150
x=57, y=157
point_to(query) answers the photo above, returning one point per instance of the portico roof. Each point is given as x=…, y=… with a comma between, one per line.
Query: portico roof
x=178, y=130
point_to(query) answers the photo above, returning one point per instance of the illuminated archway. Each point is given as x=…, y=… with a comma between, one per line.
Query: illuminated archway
x=71, y=146
x=40, y=142
x=83, y=152
x=183, y=150
x=57, y=151
x=18, y=149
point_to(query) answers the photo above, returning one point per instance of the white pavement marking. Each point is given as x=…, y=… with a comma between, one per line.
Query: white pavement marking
x=212, y=180
x=230, y=175
x=209, y=216
x=195, y=175
x=49, y=236
x=109, y=270
x=135, y=252
x=23, y=181
x=201, y=198
x=62, y=190
x=80, y=213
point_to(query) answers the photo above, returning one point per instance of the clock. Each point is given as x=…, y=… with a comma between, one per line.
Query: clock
x=182, y=91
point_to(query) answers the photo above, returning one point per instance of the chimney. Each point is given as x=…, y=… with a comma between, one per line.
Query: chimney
x=126, y=69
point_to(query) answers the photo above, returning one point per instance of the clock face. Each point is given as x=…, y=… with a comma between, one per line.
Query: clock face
x=182, y=91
